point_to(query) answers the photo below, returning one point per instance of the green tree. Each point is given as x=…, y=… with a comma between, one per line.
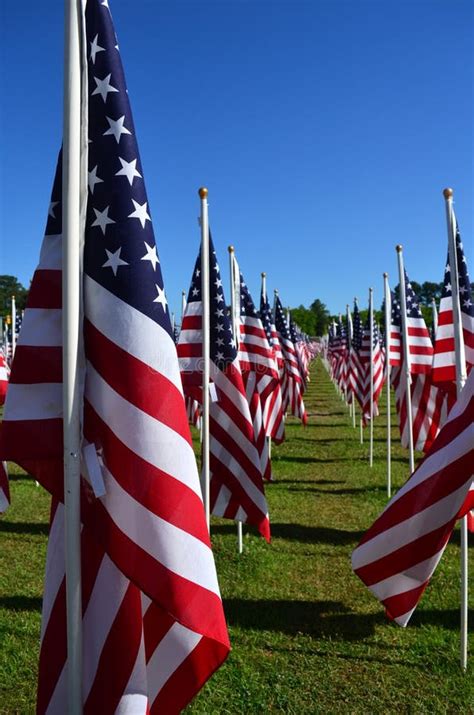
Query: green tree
x=9, y=285
x=322, y=317
x=305, y=319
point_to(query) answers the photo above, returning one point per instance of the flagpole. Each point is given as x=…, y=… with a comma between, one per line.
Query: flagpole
x=388, y=311
x=434, y=313
x=406, y=357
x=71, y=290
x=461, y=376
x=183, y=304
x=371, y=404
x=205, y=476
x=13, y=326
x=240, y=543
x=264, y=293
x=349, y=347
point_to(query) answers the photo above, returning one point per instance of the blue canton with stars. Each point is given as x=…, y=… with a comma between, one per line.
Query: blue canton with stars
x=222, y=345
x=280, y=320
x=412, y=300
x=120, y=251
x=266, y=317
x=247, y=307
x=465, y=292
x=356, y=328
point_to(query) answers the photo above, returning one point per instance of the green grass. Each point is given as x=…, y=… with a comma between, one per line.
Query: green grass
x=307, y=636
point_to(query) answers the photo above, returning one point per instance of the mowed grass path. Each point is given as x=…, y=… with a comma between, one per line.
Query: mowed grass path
x=307, y=636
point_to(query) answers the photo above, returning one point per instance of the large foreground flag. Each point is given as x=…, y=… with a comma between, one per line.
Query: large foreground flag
x=236, y=484
x=153, y=626
x=399, y=553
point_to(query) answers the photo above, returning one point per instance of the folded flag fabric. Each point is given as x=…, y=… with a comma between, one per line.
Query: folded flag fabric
x=399, y=553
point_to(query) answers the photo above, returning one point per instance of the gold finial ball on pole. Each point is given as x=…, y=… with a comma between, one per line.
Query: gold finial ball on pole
x=448, y=193
x=230, y=249
x=276, y=291
x=385, y=275
x=399, y=248
x=263, y=274
x=203, y=192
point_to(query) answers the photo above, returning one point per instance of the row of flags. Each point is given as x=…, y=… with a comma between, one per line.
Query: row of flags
x=152, y=623
x=431, y=366
x=398, y=555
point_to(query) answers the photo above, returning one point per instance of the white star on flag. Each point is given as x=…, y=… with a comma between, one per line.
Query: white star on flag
x=114, y=261
x=116, y=128
x=129, y=169
x=102, y=219
x=51, y=209
x=104, y=87
x=140, y=212
x=160, y=298
x=93, y=179
x=150, y=255
x=95, y=48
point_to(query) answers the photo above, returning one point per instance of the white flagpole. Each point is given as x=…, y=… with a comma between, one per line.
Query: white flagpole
x=205, y=475
x=235, y=328
x=71, y=291
x=388, y=322
x=183, y=303
x=461, y=376
x=13, y=326
x=264, y=293
x=172, y=322
x=371, y=377
x=406, y=357
x=434, y=313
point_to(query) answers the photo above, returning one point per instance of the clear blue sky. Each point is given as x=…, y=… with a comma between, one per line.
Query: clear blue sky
x=325, y=132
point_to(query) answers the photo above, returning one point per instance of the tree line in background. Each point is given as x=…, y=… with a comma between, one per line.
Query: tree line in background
x=314, y=320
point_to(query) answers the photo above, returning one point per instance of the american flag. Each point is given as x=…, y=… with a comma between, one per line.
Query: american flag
x=272, y=399
x=153, y=623
x=378, y=373
x=293, y=399
x=236, y=483
x=444, y=363
x=399, y=553
x=259, y=369
x=356, y=376
x=427, y=400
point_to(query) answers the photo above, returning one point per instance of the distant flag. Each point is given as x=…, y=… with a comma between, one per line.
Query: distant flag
x=259, y=369
x=357, y=368
x=426, y=398
x=399, y=553
x=378, y=374
x=271, y=393
x=153, y=627
x=294, y=385
x=444, y=364
x=236, y=484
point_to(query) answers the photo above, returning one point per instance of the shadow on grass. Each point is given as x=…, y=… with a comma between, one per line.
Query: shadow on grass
x=312, y=460
x=322, y=619
x=21, y=603
x=316, y=618
x=308, y=481
x=23, y=527
x=299, y=532
x=23, y=477
x=350, y=490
